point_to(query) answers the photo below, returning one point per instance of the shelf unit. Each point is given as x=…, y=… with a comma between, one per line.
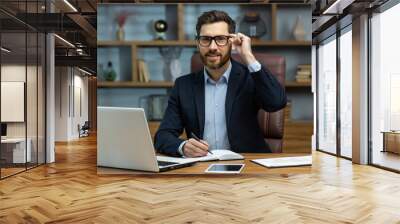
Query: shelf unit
x=181, y=18
x=134, y=45
x=129, y=84
x=192, y=43
x=183, y=41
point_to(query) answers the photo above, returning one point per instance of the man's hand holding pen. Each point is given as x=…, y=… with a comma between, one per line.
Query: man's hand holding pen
x=195, y=147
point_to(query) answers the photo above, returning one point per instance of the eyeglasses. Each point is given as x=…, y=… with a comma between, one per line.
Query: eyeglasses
x=205, y=41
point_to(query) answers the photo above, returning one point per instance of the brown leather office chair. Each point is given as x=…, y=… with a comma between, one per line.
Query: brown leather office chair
x=271, y=124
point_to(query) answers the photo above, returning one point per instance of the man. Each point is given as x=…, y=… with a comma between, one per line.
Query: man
x=219, y=104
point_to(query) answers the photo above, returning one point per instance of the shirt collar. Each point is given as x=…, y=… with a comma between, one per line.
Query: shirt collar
x=224, y=76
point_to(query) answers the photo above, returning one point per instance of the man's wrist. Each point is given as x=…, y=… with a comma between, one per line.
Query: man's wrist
x=254, y=67
x=180, y=148
x=249, y=58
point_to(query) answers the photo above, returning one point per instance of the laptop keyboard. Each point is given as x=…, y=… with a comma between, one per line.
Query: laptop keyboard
x=163, y=163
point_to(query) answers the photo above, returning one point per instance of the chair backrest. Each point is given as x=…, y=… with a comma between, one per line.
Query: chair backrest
x=271, y=124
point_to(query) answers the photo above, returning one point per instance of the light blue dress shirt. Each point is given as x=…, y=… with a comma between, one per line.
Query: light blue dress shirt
x=215, y=129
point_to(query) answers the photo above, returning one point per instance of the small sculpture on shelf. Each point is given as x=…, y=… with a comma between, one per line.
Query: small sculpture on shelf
x=160, y=27
x=109, y=73
x=252, y=25
x=121, y=20
x=172, y=69
x=298, y=30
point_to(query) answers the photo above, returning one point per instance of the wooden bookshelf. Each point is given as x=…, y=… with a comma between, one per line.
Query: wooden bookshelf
x=140, y=45
x=183, y=41
x=113, y=43
x=297, y=136
x=147, y=43
x=294, y=84
x=128, y=84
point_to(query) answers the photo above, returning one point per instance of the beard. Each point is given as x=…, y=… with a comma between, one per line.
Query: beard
x=214, y=65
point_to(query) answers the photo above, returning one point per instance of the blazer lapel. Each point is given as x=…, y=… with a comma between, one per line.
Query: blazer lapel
x=199, y=98
x=233, y=85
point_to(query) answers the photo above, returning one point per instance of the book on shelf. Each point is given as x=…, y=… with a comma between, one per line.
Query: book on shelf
x=304, y=66
x=303, y=77
x=303, y=73
x=303, y=80
x=143, y=71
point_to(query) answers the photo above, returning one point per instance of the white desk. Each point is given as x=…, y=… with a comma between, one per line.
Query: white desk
x=18, y=149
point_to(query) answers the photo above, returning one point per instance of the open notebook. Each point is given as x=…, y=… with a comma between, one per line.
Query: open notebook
x=218, y=154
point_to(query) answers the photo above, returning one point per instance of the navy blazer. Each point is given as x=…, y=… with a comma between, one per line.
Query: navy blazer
x=247, y=93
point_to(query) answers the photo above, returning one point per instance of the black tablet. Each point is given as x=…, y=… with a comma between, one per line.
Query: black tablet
x=225, y=168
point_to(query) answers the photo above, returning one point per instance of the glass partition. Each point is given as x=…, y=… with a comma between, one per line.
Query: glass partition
x=14, y=153
x=22, y=88
x=327, y=95
x=41, y=97
x=385, y=89
x=346, y=93
x=31, y=100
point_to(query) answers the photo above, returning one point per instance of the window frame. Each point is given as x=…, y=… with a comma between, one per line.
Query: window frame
x=379, y=10
x=337, y=31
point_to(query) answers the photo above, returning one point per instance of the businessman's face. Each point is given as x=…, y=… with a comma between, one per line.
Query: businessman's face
x=214, y=45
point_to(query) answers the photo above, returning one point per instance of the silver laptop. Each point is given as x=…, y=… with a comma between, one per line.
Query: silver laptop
x=124, y=141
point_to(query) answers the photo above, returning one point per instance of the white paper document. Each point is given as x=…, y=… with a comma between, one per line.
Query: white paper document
x=218, y=154
x=285, y=161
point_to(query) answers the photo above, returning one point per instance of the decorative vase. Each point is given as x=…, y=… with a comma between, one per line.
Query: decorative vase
x=172, y=68
x=298, y=31
x=110, y=74
x=120, y=33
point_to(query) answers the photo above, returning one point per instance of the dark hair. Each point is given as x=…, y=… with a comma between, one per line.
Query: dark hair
x=213, y=17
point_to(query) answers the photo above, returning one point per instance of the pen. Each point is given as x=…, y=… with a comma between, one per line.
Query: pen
x=198, y=139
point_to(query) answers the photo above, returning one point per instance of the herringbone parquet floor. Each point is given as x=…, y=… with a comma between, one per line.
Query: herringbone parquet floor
x=70, y=191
